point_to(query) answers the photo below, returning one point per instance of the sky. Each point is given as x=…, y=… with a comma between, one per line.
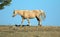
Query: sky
x=51, y=8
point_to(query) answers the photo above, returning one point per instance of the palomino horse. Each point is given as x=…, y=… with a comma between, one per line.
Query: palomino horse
x=29, y=14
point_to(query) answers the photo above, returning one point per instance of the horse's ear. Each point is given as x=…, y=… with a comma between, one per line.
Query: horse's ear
x=14, y=12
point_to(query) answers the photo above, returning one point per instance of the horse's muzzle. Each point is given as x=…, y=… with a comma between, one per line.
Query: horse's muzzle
x=13, y=16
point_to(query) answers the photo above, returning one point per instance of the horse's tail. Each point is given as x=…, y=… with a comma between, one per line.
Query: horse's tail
x=43, y=14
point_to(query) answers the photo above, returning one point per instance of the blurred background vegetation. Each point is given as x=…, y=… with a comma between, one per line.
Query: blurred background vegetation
x=4, y=3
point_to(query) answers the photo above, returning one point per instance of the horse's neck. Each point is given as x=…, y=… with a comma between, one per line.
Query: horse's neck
x=20, y=13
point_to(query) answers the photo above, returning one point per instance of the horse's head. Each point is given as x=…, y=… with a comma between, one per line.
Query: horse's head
x=14, y=13
x=20, y=12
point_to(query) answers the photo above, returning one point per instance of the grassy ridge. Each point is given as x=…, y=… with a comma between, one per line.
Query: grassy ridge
x=29, y=31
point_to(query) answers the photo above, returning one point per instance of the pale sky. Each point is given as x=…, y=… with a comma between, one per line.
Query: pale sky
x=51, y=8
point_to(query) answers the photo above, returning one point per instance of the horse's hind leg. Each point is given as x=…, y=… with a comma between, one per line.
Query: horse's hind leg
x=39, y=21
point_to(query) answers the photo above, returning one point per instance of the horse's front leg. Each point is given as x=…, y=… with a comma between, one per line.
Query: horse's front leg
x=28, y=21
x=22, y=21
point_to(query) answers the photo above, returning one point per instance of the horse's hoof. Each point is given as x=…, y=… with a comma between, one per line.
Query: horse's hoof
x=40, y=25
x=17, y=25
x=28, y=25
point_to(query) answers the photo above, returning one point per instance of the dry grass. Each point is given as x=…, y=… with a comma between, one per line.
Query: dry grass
x=32, y=31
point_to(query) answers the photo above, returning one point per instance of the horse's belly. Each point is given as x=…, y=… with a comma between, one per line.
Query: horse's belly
x=32, y=16
x=29, y=15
